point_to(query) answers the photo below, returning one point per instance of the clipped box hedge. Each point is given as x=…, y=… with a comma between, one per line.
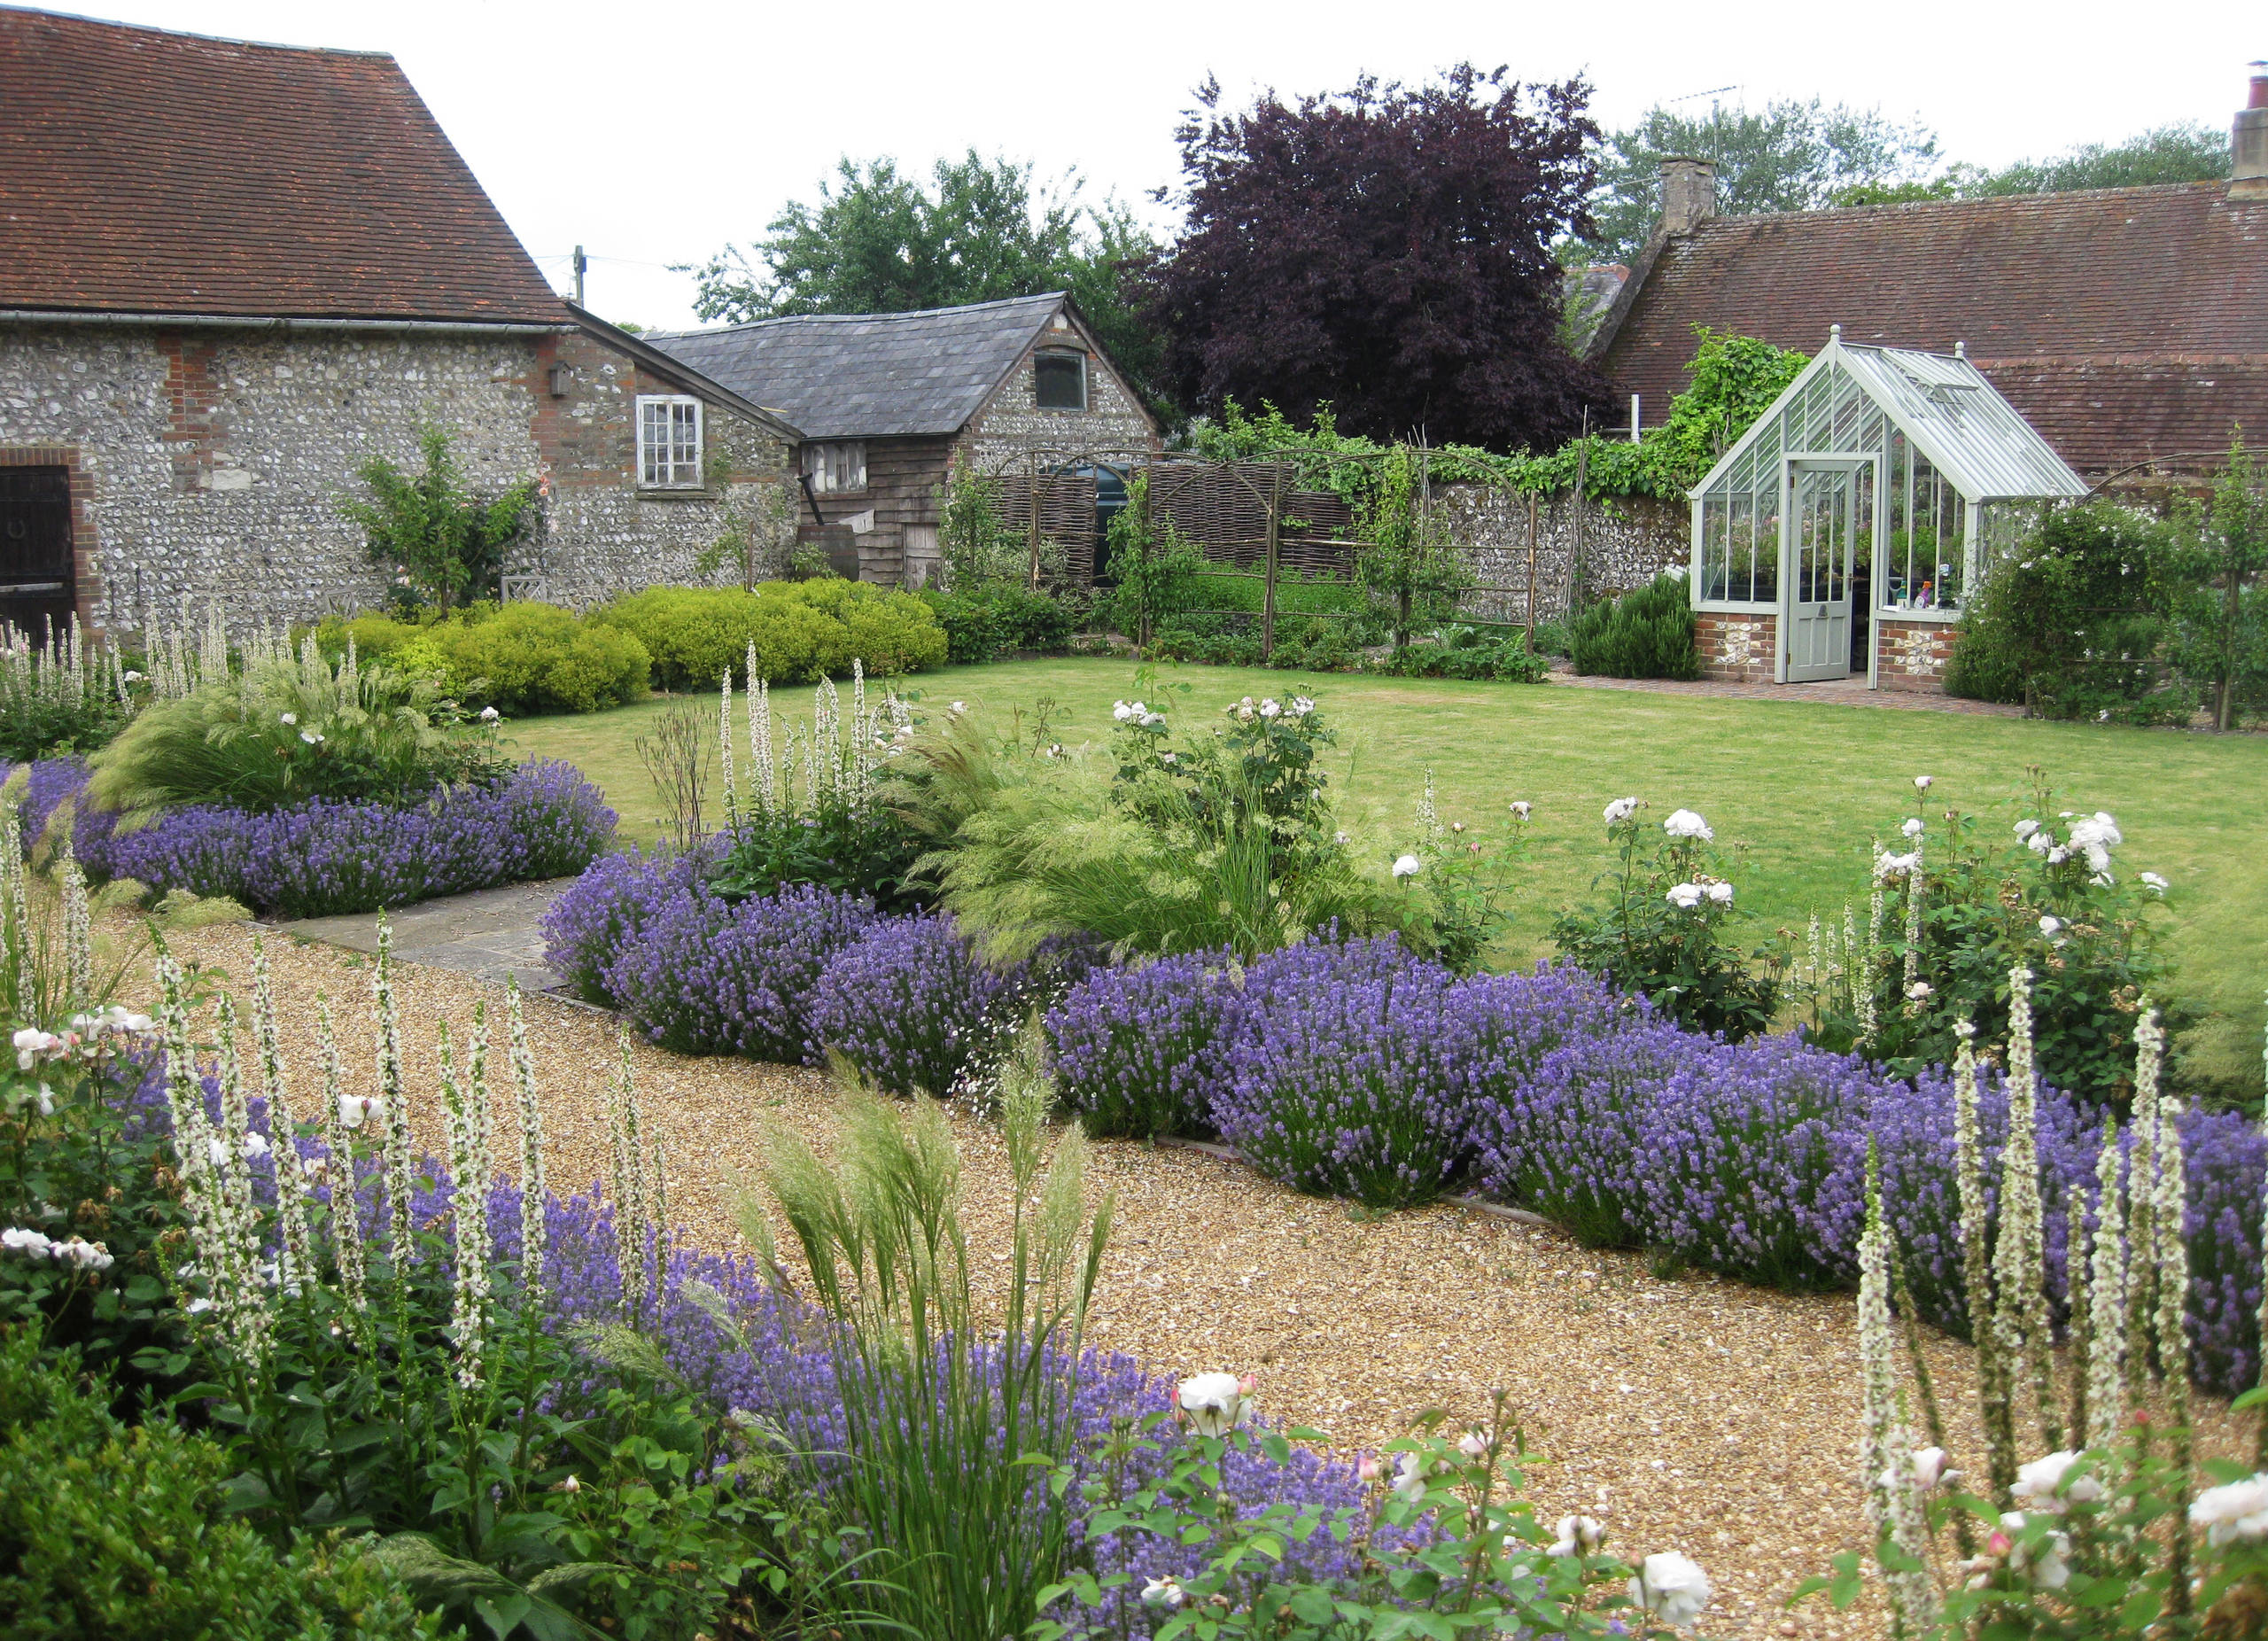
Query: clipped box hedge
x=802, y=631
x=521, y=658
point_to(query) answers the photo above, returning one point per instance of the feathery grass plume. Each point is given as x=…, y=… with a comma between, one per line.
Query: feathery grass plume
x=2172, y=1323
x=294, y=1189
x=468, y=1209
x=533, y=1226
x=346, y=1251
x=946, y=1383
x=1996, y=1401
x=1885, y=1444
x=2106, y=1394
x=724, y=755
x=395, y=1109
x=2020, y=1258
x=78, y=929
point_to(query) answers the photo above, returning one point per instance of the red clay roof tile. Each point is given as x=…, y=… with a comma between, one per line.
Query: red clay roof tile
x=144, y=171
x=2124, y=324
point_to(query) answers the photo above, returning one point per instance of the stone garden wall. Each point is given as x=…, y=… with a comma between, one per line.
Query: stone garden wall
x=1625, y=543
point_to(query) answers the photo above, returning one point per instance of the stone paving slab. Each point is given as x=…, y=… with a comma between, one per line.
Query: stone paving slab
x=492, y=933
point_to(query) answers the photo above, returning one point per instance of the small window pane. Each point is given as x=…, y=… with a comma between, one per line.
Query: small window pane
x=1059, y=381
x=1712, y=548
x=1765, y=585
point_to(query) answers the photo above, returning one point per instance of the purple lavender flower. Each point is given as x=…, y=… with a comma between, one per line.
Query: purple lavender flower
x=328, y=856
x=603, y=912
x=703, y=975
x=1139, y=1050
x=912, y=1004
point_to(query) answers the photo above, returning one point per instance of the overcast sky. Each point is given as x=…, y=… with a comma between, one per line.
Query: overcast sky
x=656, y=131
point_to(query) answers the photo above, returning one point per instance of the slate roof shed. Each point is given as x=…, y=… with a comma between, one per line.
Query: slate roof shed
x=871, y=376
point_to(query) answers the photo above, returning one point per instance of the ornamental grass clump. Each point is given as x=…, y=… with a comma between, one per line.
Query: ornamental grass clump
x=914, y=1006
x=1140, y=1050
x=1355, y=1089
x=704, y=975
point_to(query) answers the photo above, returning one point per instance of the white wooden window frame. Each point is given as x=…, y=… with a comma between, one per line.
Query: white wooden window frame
x=662, y=462
x=836, y=466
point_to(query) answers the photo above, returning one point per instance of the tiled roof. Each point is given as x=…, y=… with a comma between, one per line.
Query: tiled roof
x=148, y=172
x=869, y=376
x=2124, y=324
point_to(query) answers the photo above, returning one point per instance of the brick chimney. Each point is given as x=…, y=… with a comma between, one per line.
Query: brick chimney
x=1689, y=193
x=2249, y=176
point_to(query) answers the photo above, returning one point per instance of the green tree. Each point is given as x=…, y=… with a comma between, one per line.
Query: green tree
x=1734, y=380
x=1789, y=156
x=431, y=529
x=880, y=241
x=2190, y=151
x=1406, y=556
x=2218, y=595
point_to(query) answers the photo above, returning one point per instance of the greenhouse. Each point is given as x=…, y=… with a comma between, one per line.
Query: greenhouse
x=1841, y=536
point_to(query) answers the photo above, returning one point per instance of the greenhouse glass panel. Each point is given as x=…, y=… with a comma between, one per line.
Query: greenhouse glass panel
x=1715, y=569
x=1849, y=404
x=1765, y=585
x=1743, y=548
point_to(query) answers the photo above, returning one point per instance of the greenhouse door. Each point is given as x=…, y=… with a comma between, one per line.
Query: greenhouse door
x=1823, y=520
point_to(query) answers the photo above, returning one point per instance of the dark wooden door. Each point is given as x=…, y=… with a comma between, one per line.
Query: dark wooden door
x=37, y=584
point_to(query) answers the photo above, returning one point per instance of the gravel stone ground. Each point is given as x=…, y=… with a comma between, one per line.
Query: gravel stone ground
x=1689, y=1413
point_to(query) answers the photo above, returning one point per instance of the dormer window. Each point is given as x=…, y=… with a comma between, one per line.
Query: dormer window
x=1059, y=380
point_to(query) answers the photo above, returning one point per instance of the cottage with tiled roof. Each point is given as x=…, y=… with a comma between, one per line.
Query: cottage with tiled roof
x=1982, y=358
x=2127, y=325
x=233, y=274
x=887, y=401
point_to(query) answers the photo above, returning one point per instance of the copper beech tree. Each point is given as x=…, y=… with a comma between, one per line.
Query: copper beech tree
x=1387, y=250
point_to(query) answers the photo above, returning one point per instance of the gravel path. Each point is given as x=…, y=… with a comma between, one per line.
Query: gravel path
x=1690, y=1413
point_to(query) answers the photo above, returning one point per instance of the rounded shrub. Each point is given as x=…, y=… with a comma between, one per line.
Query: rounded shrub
x=604, y=911
x=802, y=631
x=703, y=975
x=1350, y=1072
x=1140, y=1051
x=1646, y=634
x=531, y=657
x=912, y=1006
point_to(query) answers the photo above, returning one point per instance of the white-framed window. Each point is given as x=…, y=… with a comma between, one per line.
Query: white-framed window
x=1059, y=380
x=669, y=441
x=837, y=465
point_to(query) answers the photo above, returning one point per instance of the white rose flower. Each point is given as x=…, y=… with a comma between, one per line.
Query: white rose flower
x=2051, y=926
x=2153, y=881
x=2096, y=831
x=1895, y=866
x=1408, y=1477
x=1913, y=827
x=1685, y=823
x=2040, y=841
x=217, y=1149
x=489, y=714
x=1269, y=709
x=2050, y=1571
x=1621, y=809
x=1473, y=1444
x=1919, y=990
x=1577, y=1535
x=1685, y=897
x=2025, y=828
x=2041, y=1484
x=310, y=737
x=2236, y=1511
x=256, y=1146
x=2056, y=857
x=958, y=707
x=133, y=676
x=1672, y=1587
x=291, y=717
x=1721, y=893
x=1929, y=1467
x=355, y=1109
x=1214, y=1403
x=1163, y=1592
x=1922, y=783
x=1406, y=867
x=23, y=1240
x=1120, y=711
x=1301, y=706
x=1521, y=810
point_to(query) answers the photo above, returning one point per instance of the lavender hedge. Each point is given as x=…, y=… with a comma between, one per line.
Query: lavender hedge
x=330, y=856
x=912, y=1004
x=1140, y=1050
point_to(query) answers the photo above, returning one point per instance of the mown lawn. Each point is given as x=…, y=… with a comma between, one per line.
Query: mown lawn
x=1800, y=788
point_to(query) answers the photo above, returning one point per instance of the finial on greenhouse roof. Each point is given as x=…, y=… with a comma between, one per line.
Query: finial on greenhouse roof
x=1961, y=350
x=1834, y=333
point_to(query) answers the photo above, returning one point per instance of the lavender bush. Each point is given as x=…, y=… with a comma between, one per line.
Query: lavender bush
x=703, y=975
x=336, y=856
x=1140, y=1051
x=603, y=911
x=1355, y=1089
x=912, y=1004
